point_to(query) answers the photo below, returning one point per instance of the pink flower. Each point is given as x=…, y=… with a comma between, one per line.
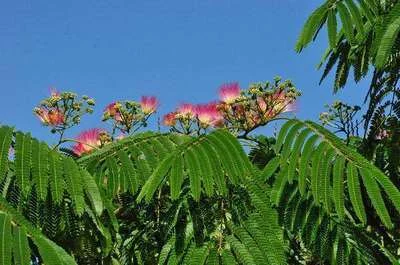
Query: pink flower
x=112, y=110
x=42, y=114
x=262, y=104
x=169, y=119
x=208, y=114
x=238, y=111
x=54, y=92
x=290, y=106
x=55, y=117
x=282, y=103
x=149, y=104
x=87, y=141
x=253, y=118
x=229, y=92
x=186, y=110
x=50, y=117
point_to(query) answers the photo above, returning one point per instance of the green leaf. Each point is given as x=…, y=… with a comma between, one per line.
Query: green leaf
x=155, y=179
x=316, y=164
x=193, y=169
x=21, y=250
x=388, y=186
x=176, y=177
x=353, y=183
x=198, y=256
x=51, y=253
x=143, y=169
x=282, y=134
x=391, y=32
x=304, y=162
x=338, y=187
x=214, y=159
x=325, y=180
x=287, y=145
x=372, y=6
x=228, y=159
x=250, y=244
x=345, y=17
x=40, y=170
x=206, y=169
x=129, y=171
x=374, y=194
x=5, y=144
x=228, y=258
x=367, y=12
x=5, y=239
x=165, y=251
x=321, y=187
x=356, y=16
x=241, y=252
x=270, y=168
x=57, y=184
x=244, y=166
x=213, y=258
x=92, y=192
x=332, y=28
x=74, y=184
x=310, y=29
x=23, y=161
x=113, y=176
x=279, y=185
x=296, y=153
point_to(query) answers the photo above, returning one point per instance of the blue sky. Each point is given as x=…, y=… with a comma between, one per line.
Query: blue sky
x=177, y=50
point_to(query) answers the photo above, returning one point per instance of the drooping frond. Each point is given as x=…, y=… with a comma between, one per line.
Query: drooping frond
x=36, y=168
x=328, y=240
x=205, y=161
x=125, y=165
x=329, y=169
x=355, y=20
x=389, y=36
x=361, y=33
x=256, y=240
x=15, y=228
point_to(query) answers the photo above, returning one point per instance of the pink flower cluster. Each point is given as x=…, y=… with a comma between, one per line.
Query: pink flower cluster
x=209, y=115
x=112, y=110
x=206, y=114
x=61, y=111
x=237, y=110
x=229, y=92
x=86, y=141
x=52, y=117
x=128, y=116
x=240, y=111
x=149, y=104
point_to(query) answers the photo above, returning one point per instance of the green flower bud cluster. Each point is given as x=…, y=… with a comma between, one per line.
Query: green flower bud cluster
x=63, y=110
x=126, y=116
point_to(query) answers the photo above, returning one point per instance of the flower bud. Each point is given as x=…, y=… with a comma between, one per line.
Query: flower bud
x=76, y=119
x=76, y=106
x=90, y=102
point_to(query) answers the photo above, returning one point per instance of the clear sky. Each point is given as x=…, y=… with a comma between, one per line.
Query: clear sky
x=176, y=50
